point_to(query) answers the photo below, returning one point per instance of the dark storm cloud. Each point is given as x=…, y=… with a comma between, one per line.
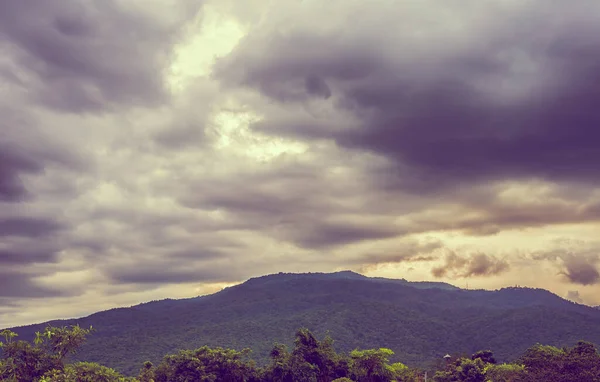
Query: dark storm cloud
x=516, y=102
x=402, y=252
x=477, y=264
x=18, y=161
x=171, y=234
x=580, y=270
x=317, y=86
x=28, y=226
x=88, y=56
x=24, y=256
x=322, y=235
x=290, y=202
x=491, y=214
x=25, y=151
x=16, y=284
x=578, y=265
x=167, y=276
x=172, y=271
x=13, y=164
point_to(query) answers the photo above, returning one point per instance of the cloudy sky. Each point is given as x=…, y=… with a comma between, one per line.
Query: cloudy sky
x=169, y=148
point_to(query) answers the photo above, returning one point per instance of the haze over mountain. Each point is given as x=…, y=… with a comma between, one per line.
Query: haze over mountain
x=170, y=148
x=419, y=321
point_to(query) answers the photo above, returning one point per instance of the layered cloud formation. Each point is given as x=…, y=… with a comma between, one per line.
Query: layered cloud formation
x=153, y=149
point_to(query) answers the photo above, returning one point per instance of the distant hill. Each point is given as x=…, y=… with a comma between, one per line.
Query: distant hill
x=419, y=321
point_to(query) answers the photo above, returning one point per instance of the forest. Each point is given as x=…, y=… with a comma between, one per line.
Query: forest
x=48, y=359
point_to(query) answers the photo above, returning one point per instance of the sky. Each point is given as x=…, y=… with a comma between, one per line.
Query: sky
x=169, y=148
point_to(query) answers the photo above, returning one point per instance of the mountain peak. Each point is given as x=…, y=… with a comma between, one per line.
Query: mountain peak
x=347, y=274
x=283, y=276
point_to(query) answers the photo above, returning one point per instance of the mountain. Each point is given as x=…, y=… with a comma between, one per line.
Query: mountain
x=419, y=321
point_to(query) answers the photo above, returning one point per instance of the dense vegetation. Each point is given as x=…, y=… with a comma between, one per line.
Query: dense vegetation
x=310, y=360
x=419, y=322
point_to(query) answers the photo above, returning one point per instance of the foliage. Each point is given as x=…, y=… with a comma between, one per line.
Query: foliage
x=24, y=361
x=62, y=341
x=206, y=364
x=311, y=360
x=84, y=372
x=506, y=373
x=463, y=369
x=485, y=355
x=371, y=365
x=579, y=363
x=146, y=373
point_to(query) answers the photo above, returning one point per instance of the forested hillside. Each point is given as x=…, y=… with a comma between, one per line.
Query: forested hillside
x=419, y=322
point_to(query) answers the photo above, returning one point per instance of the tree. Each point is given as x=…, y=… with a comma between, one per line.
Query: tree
x=281, y=369
x=371, y=365
x=401, y=372
x=8, y=336
x=207, y=364
x=62, y=341
x=543, y=362
x=505, y=373
x=463, y=369
x=310, y=360
x=485, y=355
x=146, y=372
x=84, y=372
x=579, y=363
x=318, y=357
x=23, y=361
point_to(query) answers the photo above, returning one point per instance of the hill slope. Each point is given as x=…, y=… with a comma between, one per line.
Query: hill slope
x=419, y=321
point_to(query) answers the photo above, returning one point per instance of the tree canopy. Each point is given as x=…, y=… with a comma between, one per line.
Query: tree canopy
x=47, y=359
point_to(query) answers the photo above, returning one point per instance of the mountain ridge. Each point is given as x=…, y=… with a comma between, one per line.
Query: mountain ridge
x=419, y=323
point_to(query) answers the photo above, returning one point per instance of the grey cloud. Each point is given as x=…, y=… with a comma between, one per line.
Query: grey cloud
x=28, y=226
x=26, y=151
x=189, y=135
x=491, y=214
x=12, y=165
x=451, y=262
x=577, y=262
x=19, y=285
x=499, y=106
x=322, y=234
x=188, y=254
x=26, y=256
x=481, y=265
x=573, y=295
x=188, y=126
x=89, y=56
x=477, y=264
x=580, y=270
x=172, y=233
x=402, y=252
x=316, y=86
x=161, y=275
x=205, y=266
x=290, y=202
